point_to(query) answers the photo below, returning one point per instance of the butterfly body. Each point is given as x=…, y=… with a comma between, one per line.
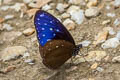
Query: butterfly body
x=56, y=44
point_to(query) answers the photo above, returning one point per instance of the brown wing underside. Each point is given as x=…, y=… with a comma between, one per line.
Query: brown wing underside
x=56, y=52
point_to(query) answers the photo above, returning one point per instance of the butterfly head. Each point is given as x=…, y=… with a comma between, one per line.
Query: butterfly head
x=76, y=49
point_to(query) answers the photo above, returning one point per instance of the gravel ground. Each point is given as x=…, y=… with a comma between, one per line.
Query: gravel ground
x=19, y=54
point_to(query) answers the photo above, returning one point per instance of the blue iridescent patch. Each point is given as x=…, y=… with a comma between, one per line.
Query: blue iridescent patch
x=49, y=28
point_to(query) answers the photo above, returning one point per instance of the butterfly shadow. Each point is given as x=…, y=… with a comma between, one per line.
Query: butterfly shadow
x=61, y=73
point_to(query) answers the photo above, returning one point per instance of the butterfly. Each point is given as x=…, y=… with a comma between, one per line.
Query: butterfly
x=56, y=45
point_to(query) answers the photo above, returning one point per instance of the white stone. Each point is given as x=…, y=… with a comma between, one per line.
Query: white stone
x=85, y=43
x=65, y=15
x=108, y=7
x=17, y=6
x=117, y=3
x=76, y=1
x=46, y=7
x=110, y=43
x=92, y=12
x=118, y=35
x=29, y=61
x=67, y=21
x=111, y=31
x=5, y=8
x=27, y=1
x=12, y=52
x=69, y=24
x=106, y=22
x=9, y=17
x=116, y=59
x=28, y=31
x=7, y=27
x=111, y=14
x=26, y=55
x=73, y=9
x=60, y=7
x=78, y=16
x=116, y=22
x=99, y=69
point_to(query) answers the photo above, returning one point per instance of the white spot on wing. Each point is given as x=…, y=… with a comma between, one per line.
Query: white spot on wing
x=42, y=15
x=48, y=39
x=51, y=22
x=38, y=19
x=45, y=23
x=39, y=23
x=43, y=28
x=57, y=46
x=51, y=29
x=54, y=34
x=41, y=41
x=43, y=35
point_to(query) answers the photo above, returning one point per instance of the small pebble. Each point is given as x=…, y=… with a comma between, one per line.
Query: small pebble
x=101, y=37
x=94, y=66
x=8, y=27
x=69, y=24
x=2, y=20
x=34, y=39
x=30, y=61
x=9, y=17
x=26, y=55
x=73, y=9
x=75, y=1
x=117, y=22
x=60, y=7
x=92, y=3
x=65, y=15
x=29, y=31
x=118, y=35
x=116, y=3
x=108, y=7
x=17, y=6
x=116, y=59
x=110, y=29
x=9, y=68
x=78, y=16
x=110, y=43
x=27, y=1
x=106, y=22
x=38, y=3
x=111, y=14
x=46, y=7
x=5, y=8
x=85, y=43
x=92, y=12
x=99, y=69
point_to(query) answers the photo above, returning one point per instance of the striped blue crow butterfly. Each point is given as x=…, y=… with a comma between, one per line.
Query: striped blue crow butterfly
x=56, y=45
